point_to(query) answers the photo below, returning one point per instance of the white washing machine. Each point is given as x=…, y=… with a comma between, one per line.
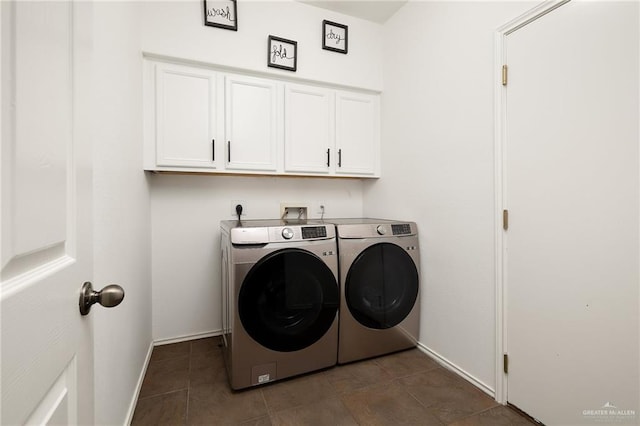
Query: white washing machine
x=380, y=287
x=280, y=299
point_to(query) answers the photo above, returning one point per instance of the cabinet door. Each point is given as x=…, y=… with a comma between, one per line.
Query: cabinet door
x=309, y=129
x=251, y=123
x=185, y=116
x=357, y=133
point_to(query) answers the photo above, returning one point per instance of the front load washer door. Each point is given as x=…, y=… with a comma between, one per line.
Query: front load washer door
x=288, y=300
x=381, y=286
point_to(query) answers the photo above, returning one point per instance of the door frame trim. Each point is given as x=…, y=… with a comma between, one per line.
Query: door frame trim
x=500, y=201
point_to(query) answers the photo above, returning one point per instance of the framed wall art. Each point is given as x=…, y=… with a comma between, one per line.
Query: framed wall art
x=335, y=37
x=221, y=14
x=282, y=53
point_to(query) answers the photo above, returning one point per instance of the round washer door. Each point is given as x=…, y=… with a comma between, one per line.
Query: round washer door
x=288, y=300
x=382, y=286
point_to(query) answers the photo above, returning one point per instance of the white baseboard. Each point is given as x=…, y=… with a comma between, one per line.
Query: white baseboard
x=459, y=371
x=186, y=337
x=136, y=394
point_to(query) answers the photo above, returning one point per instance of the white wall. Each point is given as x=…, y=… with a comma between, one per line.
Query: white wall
x=185, y=217
x=436, y=60
x=438, y=170
x=186, y=210
x=177, y=29
x=121, y=211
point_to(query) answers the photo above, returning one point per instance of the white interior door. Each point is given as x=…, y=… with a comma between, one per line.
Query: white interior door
x=572, y=187
x=47, y=358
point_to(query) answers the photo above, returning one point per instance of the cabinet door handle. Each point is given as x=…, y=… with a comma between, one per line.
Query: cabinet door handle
x=340, y=158
x=213, y=150
x=328, y=154
x=228, y=151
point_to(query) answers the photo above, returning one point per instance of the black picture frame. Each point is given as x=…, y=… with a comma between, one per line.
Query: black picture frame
x=335, y=37
x=279, y=53
x=221, y=14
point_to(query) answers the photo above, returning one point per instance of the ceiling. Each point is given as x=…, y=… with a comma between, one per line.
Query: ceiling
x=372, y=10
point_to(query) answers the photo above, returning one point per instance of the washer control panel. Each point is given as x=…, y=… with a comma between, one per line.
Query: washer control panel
x=287, y=233
x=291, y=233
x=314, y=232
x=374, y=228
x=275, y=231
x=401, y=229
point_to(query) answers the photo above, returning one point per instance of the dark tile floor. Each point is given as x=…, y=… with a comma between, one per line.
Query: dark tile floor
x=186, y=383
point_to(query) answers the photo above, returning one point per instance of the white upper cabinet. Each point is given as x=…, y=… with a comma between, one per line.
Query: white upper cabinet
x=186, y=116
x=251, y=123
x=357, y=133
x=197, y=119
x=309, y=128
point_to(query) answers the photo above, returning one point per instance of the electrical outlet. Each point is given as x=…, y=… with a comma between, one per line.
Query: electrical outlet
x=243, y=203
x=320, y=209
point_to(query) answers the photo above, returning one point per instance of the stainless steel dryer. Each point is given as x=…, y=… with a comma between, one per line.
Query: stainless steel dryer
x=380, y=287
x=280, y=299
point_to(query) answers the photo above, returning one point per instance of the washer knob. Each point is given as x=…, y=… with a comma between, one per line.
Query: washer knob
x=381, y=230
x=287, y=233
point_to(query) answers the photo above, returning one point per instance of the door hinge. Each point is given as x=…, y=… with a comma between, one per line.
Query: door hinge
x=505, y=219
x=505, y=70
x=505, y=363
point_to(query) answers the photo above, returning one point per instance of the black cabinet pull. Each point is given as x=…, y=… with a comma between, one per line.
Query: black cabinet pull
x=328, y=154
x=339, y=158
x=213, y=150
x=228, y=151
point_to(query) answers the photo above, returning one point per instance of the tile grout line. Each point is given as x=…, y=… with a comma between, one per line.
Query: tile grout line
x=264, y=399
x=346, y=407
x=477, y=413
x=272, y=412
x=431, y=411
x=155, y=395
x=186, y=409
